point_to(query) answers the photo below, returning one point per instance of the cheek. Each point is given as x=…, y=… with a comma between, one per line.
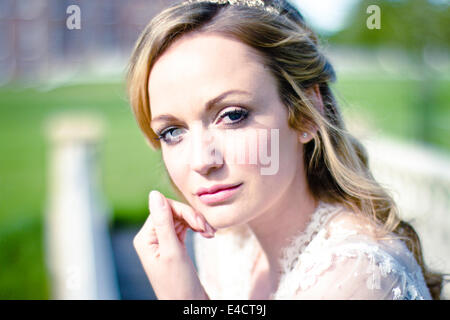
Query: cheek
x=279, y=154
x=176, y=168
x=241, y=147
x=267, y=151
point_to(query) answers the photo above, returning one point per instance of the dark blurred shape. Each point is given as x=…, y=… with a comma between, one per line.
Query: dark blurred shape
x=133, y=282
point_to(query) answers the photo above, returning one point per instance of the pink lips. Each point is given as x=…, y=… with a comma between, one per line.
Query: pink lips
x=218, y=193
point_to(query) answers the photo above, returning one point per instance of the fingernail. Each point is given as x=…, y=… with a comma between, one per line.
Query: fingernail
x=157, y=198
x=207, y=235
x=209, y=229
x=201, y=223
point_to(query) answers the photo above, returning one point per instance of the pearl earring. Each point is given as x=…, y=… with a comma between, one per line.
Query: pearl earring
x=305, y=134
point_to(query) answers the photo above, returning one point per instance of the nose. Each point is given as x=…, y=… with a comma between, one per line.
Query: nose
x=206, y=154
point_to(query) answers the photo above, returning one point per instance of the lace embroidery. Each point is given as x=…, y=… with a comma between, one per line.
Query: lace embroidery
x=312, y=253
x=381, y=264
x=298, y=243
x=397, y=293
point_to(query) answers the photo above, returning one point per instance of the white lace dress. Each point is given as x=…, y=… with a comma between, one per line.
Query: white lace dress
x=334, y=258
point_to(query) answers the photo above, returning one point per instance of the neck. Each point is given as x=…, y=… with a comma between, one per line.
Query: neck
x=286, y=218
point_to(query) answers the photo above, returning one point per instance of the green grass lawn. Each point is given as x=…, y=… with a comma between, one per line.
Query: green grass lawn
x=400, y=108
x=129, y=169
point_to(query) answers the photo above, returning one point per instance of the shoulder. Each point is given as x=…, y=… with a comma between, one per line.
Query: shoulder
x=346, y=260
x=347, y=224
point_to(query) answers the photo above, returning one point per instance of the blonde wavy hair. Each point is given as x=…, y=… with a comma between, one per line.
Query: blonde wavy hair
x=336, y=163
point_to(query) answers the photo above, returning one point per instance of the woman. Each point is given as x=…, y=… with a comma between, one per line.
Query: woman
x=212, y=81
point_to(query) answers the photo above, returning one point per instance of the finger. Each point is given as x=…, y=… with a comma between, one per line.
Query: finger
x=207, y=234
x=183, y=235
x=193, y=218
x=208, y=228
x=162, y=219
x=147, y=226
x=147, y=232
x=179, y=227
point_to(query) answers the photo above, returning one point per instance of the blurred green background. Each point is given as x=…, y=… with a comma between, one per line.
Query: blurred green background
x=410, y=103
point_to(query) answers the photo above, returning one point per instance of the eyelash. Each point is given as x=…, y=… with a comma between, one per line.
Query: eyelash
x=244, y=115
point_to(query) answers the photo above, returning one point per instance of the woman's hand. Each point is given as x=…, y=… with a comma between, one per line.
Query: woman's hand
x=160, y=245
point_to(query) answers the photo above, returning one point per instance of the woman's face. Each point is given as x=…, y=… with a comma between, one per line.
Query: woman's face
x=207, y=144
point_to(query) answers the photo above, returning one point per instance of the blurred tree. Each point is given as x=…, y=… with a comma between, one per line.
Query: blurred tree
x=415, y=26
x=408, y=24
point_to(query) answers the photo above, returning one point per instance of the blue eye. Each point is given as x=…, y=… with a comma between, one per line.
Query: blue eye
x=236, y=115
x=172, y=135
x=168, y=135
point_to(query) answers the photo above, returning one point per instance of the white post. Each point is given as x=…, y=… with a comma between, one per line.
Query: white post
x=79, y=252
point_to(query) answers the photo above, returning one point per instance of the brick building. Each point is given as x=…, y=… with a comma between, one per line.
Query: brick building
x=35, y=42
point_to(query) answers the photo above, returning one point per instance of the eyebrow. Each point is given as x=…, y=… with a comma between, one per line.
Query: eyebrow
x=208, y=106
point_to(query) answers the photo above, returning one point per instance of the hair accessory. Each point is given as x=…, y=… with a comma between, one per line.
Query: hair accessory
x=248, y=3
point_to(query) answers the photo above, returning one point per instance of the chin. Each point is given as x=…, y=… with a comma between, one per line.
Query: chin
x=224, y=216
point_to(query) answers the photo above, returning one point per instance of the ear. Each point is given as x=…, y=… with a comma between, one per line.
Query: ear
x=314, y=95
